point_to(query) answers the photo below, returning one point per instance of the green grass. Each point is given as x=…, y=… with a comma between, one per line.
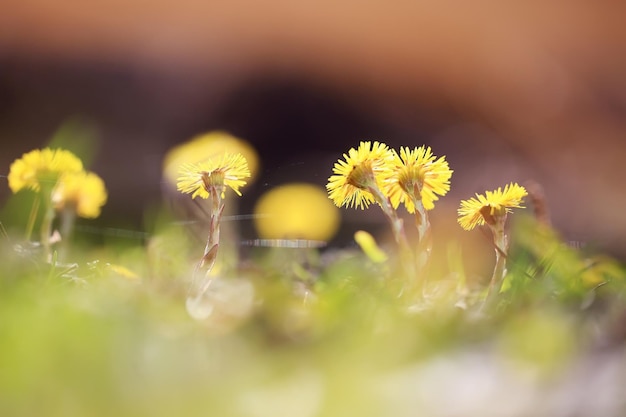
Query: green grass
x=88, y=341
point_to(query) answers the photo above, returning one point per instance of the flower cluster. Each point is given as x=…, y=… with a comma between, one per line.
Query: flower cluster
x=408, y=177
x=374, y=173
x=60, y=174
x=62, y=186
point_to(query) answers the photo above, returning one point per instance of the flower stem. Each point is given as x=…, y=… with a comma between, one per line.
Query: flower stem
x=68, y=217
x=46, y=227
x=425, y=242
x=32, y=217
x=397, y=227
x=210, y=250
x=500, y=242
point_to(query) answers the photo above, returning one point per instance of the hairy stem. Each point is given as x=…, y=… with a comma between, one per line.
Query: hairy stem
x=210, y=250
x=500, y=242
x=46, y=224
x=397, y=227
x=32, y=217
x=68, y=217
x=425, y=243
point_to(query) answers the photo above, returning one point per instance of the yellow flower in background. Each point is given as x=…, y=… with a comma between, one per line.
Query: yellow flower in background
x=416, y=175
x=208, y=146
x=83, y=191
x=484, y=208
x=296, y=211
x=227, y=170
x=368, y=245
x=122, y=271
x=360, y=170
x=39, y=167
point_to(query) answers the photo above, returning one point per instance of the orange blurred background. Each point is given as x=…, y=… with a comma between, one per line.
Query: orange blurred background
x=509, y=91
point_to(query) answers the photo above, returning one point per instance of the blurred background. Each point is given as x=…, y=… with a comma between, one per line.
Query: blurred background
x=512, y=91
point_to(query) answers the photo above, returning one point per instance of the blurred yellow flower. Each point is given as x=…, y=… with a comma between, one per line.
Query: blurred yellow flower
x=122, y=271
x=359, y=171
x=296, y=211
x=83, y=191
x=39, y=167
x=484, y=208
x=368, y=245
x=416, y=175
x=208, y=146
x=228, y=170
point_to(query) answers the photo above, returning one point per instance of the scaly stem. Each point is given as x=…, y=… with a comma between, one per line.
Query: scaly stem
x=68, y=216
x=397, y=227
x=46, y=224
x=425, y=243
x=217, y=208
x=32, y=217
x=46, y=231
x=212, y=244
x=500, y=242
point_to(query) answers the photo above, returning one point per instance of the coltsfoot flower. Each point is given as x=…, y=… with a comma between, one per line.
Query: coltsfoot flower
x=485, y=208
x=83, y=191
x=296, y=211
x=229, y=170
x=415, y=175
x=358, y=173
x=207, y=146
x=39, y=167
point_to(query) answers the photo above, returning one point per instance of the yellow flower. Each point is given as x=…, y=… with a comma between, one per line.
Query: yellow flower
x=484, y=208
x=359, y=171
x=207, y=146
x=416, y=175
x=39, y=167
x=218, y=173
x=83, y=191
x=296, y=211
x=369, y=246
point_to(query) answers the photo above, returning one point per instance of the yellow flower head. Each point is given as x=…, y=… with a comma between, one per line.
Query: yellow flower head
x=359, y=171
x=485, y=208
x=39, y=167
x=416, y=175
x=296, y=211
x=83, y=191
x=207, y=146
x=217, y=173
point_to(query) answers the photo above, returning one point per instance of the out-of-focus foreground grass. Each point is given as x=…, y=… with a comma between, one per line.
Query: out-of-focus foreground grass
x=91, y=339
